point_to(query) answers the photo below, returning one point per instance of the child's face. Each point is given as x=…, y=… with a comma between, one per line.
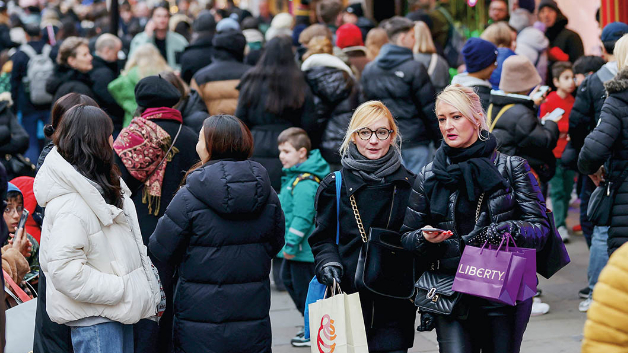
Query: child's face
x=289, y=156
x=12, y=213
x=565, y=82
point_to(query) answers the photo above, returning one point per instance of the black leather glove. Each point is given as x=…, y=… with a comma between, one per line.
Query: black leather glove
x=493, y=234
x=331, y=273
x=428, y=322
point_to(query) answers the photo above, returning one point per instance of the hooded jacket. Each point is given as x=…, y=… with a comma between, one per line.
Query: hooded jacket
x=65, y=79
x=567, y=40
x=533, y=44
x=608, y=144
x=196, y=56
x=122, y=89
x=222, y=229
x=336, y=96
x=91, y=252
x=297, y=203
x=482, y=87
x=404, y=86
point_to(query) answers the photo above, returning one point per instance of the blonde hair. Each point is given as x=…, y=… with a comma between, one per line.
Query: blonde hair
x=148, y=60
x=364, y=115
x=467, y=102
x=375, y=39
x=499, y=34
x=318, y=45
x=621, y=52
x=68, y=49
x=423, y=42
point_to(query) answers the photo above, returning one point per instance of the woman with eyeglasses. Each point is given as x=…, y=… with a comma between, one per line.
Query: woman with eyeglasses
x=375, y=186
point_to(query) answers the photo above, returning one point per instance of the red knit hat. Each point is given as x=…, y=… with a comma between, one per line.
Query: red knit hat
x=349, y=35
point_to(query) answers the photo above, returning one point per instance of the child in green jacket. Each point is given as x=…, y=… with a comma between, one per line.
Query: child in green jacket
x=303, y=170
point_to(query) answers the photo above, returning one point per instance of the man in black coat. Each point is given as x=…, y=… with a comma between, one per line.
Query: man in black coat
x=105, y=70
x=199, y=53
x=404, y=86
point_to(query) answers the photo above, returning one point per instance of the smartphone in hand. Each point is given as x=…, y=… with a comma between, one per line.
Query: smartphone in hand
x=23, y=218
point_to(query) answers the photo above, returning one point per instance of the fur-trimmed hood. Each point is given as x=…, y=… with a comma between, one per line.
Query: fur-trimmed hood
x=619, y=83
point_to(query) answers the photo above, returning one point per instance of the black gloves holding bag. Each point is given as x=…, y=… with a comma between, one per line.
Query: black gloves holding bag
x=331, y=273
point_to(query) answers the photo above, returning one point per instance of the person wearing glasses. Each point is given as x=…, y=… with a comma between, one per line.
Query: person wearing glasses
x=376, y=186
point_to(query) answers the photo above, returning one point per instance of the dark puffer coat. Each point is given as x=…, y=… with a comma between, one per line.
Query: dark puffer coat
x=389, y=322
x=520, y=133
x=608, y=145
x=101, y=75
x=222, y=229
x=194, y=111
x=196, y=56
x=65, y=79
x=13, y=137
x=404, y=86
x=336, y=96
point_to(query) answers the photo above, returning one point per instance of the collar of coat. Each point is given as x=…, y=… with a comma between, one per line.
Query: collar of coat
x=353, y=182
x=619, y=83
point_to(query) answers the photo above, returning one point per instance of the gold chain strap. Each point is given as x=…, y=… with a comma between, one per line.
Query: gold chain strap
x=358, y=219
x=477, y=211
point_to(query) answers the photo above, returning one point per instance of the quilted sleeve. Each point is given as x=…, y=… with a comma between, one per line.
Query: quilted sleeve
x=170, y=234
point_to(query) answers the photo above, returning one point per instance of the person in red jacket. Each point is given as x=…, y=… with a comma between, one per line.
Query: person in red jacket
x=561, y=184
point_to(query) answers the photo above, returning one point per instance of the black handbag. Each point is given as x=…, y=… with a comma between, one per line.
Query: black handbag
x=553, y=256
x=384, y=266
x=434, y=293
x=18, y=165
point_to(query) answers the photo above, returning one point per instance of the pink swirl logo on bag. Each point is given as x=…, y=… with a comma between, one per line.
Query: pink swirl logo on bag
x=326, y=335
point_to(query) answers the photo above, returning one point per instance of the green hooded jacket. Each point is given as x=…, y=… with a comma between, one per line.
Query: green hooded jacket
x=122, y=89
x=297, y=203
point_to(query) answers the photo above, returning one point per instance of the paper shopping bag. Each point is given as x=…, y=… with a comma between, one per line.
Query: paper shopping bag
x=490, y=274
x=529, y=281
x=337, y=325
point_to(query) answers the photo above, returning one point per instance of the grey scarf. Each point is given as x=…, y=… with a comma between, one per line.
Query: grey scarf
x=371, y=169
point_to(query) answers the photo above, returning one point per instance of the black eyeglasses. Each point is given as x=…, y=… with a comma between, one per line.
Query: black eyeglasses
x=365, y=133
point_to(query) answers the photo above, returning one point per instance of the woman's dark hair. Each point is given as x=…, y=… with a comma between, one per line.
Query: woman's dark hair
x=178, y=83
x=82, y=139
x=277, y=74
x=62, y=105
x=226, y=137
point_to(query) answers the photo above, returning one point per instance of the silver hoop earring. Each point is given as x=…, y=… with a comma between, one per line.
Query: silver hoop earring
x=481, y=136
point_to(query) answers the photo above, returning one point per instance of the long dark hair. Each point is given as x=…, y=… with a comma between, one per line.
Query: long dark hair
x=226, y=137
x=82, y=139
x=64, y=104
x=277, y=73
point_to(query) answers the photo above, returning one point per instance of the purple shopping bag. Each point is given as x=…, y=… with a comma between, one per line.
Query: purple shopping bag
x=528, y=280
x=490, y=274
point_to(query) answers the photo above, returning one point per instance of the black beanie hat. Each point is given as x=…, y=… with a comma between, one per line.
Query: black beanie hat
x=205, y=22
x=549, y=3
x=231, y=41
x=155, y=92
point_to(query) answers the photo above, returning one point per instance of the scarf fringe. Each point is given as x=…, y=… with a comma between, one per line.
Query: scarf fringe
x=151, y=201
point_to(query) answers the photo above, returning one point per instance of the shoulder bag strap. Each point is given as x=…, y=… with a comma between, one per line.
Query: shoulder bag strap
x=338, y=175
x=432, y=67
x=499, y=115
x=15, y=288
x=162, y=160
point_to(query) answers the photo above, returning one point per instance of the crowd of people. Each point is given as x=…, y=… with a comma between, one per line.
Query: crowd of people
x=159, y=176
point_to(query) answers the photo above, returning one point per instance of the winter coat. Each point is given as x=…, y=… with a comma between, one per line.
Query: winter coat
x=389, y=322
x=217, y=84
x=608, y=145
x=20, y=97
x=297, y=203
x=567, y=40
x=194, y=111
x=440, y=73
x=122, y=89
x=66, y=80
x=533, y=44
x=42, y=156
x=336, y=95
x=102, y=74
x=605, y=328
x=521, y=204
x=266, y=127
x=91, y=252
x=482, y=87
x=13, y=137
x=175, y=45
x=222, y=229
x=502, y=54
x=404, y=86
x=196, y=56
x=520, y=133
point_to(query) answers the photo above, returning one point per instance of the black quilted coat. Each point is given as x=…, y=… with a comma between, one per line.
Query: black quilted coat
x=336, y=96
x=222, y=229
x=521, y=203
x=608, y=144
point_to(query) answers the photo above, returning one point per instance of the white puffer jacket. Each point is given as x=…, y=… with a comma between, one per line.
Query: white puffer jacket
x=95, y=261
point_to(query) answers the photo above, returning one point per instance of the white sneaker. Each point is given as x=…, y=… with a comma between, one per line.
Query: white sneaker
x=539, y=308
x=584, y=305
x=564, y=233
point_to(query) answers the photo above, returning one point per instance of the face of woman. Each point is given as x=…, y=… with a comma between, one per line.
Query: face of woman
x=201, y=149
x=374, y=148
x=457, y=130
x=82, y=61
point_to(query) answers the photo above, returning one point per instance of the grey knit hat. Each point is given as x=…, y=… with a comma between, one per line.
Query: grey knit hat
x=518, y=75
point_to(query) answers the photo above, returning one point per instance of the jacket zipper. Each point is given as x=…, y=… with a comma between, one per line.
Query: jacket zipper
x=373, y=315
x=392, y=204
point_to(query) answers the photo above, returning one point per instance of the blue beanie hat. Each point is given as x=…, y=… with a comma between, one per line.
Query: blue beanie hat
x=11, y=187
x=613, y=31
x=227, y=24
x=479, y=54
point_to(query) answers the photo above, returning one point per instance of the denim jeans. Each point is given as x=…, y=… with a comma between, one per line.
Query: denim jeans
x=417, y=157
x=598, y=254
x=30, y=123
x=108, y=337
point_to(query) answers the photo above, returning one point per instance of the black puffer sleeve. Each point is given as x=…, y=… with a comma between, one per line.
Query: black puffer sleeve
x=598, y=146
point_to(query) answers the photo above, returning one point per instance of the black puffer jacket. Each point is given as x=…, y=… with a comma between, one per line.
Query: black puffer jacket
x=567, y=40
x=65, y=79
x=608, y=144
x=196, y=56
x=101, y=75
x=194, y=111
x=520, y=133
x=336, y=96
x=13, y=137
x=222, y=229
x=404, y=86
x=389, y=322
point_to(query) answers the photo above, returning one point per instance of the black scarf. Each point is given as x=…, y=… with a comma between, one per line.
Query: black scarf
x=371, y=169
x=469, y=170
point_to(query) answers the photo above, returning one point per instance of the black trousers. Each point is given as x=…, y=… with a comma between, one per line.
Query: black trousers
x=488, y=329
x=296, y=276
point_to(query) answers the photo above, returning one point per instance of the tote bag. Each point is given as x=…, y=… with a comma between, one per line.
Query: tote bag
x=528, y=280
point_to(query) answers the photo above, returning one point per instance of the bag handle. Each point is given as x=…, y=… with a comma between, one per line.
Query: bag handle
x=15, y=288
x=338, y=176
x=333, y=290
x=499, y=115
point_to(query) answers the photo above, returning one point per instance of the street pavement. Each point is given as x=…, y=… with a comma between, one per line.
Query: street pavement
x=560, y=330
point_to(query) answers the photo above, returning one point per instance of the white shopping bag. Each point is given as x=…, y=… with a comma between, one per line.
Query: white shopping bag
x=337, y=324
